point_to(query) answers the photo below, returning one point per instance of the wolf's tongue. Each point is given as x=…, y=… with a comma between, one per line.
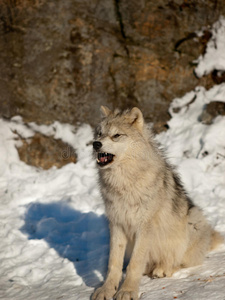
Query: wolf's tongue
x=102, y=159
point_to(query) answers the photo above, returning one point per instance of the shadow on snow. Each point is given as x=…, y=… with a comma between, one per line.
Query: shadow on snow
x=83, y=238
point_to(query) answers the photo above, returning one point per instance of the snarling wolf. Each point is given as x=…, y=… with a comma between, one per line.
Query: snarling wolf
x=146, y=205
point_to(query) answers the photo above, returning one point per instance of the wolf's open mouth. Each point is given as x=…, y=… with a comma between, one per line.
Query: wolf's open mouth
x=104, y=159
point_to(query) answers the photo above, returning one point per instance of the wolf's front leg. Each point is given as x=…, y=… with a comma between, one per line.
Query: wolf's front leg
x=135, y=269
x=118, y=243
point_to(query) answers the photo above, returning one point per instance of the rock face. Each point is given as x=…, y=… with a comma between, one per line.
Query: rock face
x=45, y=152
x=211, y=111
x=61, y=60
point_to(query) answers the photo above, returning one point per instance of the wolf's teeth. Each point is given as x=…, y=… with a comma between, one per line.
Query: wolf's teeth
x=103, y=158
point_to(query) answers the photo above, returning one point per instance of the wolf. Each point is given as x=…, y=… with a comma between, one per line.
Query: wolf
x=146, y=205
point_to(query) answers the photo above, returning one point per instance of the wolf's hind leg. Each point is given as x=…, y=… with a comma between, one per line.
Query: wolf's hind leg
x=200, y=233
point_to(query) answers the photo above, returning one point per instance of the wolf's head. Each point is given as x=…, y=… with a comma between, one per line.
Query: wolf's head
x=119, y=137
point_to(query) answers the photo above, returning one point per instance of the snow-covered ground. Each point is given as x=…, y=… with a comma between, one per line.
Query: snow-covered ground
x=54, y=235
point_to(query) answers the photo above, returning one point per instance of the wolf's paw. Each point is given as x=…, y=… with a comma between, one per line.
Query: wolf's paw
x=126, y=295
x=103, y=293
x=160, y=273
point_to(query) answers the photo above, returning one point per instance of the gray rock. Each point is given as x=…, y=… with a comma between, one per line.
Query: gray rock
x=211, y=111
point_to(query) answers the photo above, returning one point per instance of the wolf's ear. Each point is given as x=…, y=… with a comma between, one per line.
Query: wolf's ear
x=105, y=111
x=136, y=118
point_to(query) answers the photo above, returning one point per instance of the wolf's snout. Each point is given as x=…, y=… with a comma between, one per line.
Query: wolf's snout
x=97, y=145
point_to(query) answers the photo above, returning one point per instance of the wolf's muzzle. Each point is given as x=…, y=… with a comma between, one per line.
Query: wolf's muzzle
x=97, y=145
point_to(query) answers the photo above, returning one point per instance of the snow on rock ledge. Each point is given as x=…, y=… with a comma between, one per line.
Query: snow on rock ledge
x=214, y=58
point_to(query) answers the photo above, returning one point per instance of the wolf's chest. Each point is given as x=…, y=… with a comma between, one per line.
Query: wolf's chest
x=124, y=213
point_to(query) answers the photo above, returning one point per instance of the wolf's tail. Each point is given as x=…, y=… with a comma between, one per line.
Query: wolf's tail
x=216, y=240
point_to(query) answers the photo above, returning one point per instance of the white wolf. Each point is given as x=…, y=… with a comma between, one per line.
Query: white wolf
x=146, y=205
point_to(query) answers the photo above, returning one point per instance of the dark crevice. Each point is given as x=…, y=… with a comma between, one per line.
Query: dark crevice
x=119, y=17
x=121, y=24
x=181, y=41
x=113, y=81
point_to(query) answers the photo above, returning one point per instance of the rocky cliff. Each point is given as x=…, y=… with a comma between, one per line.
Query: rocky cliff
x=60, y=60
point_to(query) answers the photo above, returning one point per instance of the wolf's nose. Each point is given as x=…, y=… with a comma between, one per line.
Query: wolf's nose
x=97, y=145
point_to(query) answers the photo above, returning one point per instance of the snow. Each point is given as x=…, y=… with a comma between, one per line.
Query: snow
x=214, y=58
x=54, y=234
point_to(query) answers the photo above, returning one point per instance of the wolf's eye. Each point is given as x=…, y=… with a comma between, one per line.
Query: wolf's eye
x=99, y=134
x=116, y=136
